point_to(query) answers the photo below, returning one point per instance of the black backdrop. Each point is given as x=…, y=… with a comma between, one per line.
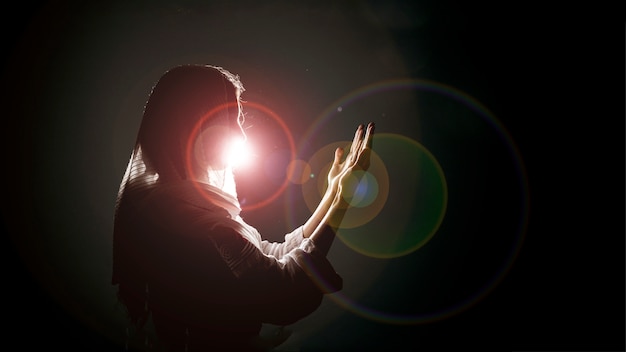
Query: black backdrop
x=65, y=61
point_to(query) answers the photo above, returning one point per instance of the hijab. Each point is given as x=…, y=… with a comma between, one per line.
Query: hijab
x=186, y=101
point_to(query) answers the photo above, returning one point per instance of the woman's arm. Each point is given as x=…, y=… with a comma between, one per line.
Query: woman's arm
x=275, y=291
x=358, y=157
x=331, y=208
x=324, y=234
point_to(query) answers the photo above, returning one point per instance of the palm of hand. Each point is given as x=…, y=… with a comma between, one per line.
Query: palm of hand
x=357, y=157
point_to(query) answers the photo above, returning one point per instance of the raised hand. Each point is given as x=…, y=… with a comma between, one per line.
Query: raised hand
x=327, y=217
x=358, y=157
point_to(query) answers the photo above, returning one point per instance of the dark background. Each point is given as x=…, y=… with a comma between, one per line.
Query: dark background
x=75, y=77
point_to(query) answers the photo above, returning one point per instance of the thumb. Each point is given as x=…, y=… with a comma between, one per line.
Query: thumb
x=338, y=155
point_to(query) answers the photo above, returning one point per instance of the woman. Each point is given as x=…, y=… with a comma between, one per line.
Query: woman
x=183, y=256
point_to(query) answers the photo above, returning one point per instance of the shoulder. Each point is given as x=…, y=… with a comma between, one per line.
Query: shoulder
x=180, y=208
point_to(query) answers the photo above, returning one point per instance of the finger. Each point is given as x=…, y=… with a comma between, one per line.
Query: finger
x=338, y=155
x=357, y=137
x=366, y=147
x=359, y=142
x=365, y=142
x=368, y=136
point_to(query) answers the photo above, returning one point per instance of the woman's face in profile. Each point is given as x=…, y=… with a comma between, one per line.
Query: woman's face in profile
x=218, y=145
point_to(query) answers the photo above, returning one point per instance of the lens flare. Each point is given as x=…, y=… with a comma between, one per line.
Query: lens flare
x=298, y=171
x=274, y=163
x=484, y=196
x=361, y=189
x=239, y=154
x=417, y=195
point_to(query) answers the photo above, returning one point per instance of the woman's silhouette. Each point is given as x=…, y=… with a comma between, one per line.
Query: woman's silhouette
x=183, y=256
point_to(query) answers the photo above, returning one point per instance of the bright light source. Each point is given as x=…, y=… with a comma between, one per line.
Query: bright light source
x=238, y=154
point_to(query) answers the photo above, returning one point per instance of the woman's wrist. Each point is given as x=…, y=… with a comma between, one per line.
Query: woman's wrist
x=324, y=206
x=332, y=188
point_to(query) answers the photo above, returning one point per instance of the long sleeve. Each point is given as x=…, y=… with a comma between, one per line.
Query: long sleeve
x=208, y=265
x=278, y=291
x=279, y=249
